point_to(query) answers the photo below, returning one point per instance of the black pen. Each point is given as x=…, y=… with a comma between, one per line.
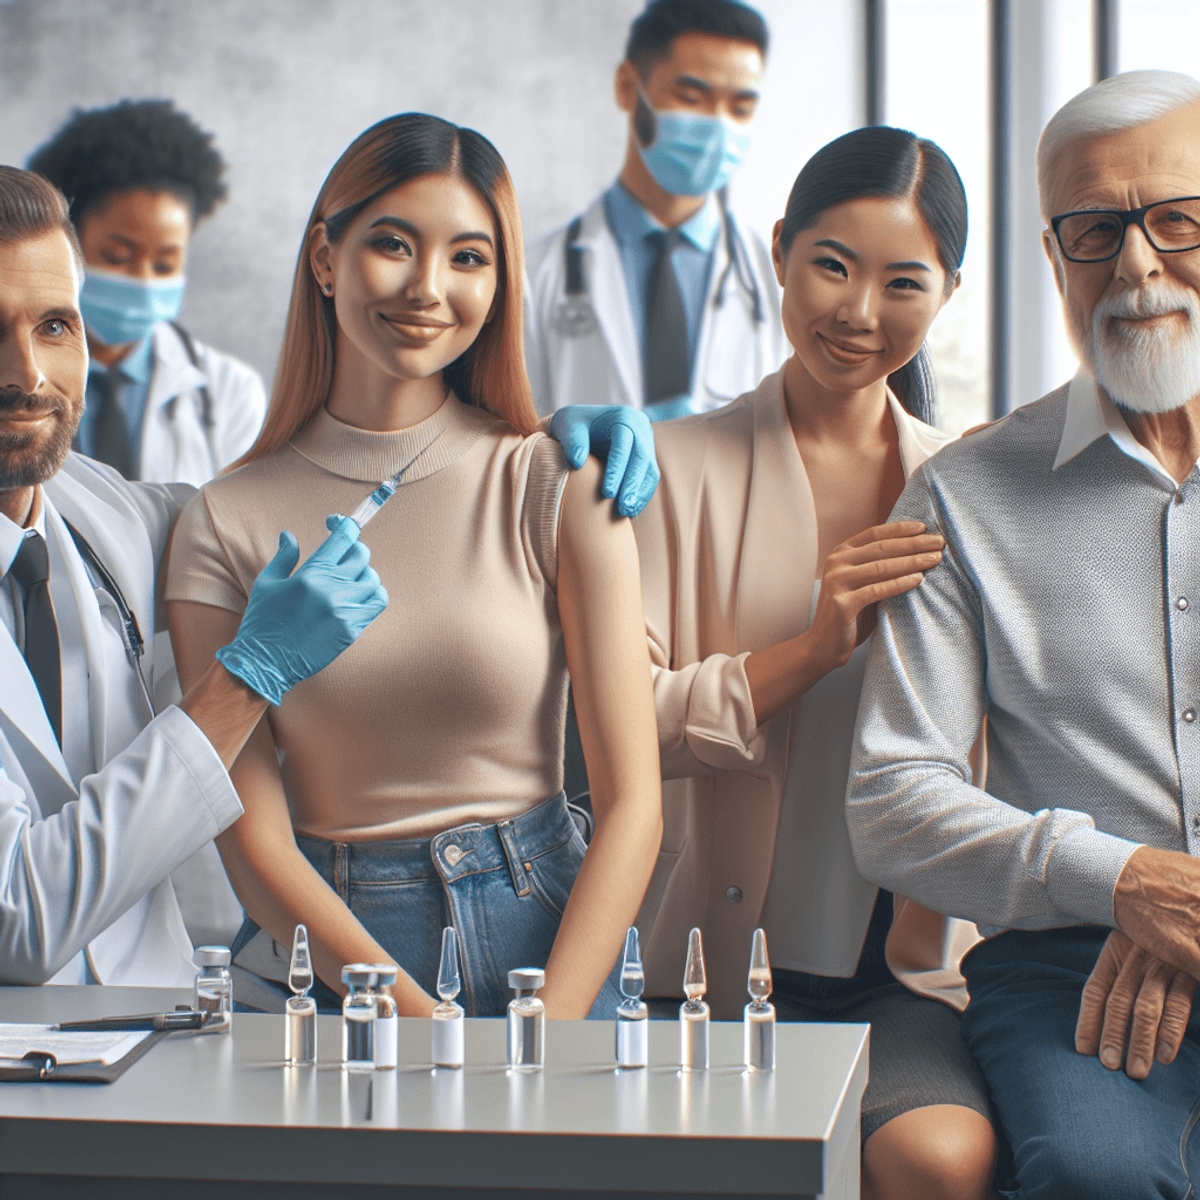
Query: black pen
x=183, y=1019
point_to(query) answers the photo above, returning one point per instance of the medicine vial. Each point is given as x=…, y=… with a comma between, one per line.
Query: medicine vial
x=387, y=1019
x=358, y=1017
x=300, y=1031
x=213, y=993
x=758, y=1018
x=448, y=1027
x=693, y=1012
x=526, y=1020
x=633, y=1025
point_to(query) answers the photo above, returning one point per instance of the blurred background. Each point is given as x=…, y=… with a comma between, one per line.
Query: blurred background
x=286, y=84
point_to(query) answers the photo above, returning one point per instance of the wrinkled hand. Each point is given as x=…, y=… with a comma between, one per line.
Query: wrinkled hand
x=295, y=624
x=625, y=435
x=1133, y=996
x=1156, y=904
x=882, y=561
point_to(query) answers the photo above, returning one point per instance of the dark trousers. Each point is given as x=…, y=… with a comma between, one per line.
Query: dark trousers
x=1077, y=1129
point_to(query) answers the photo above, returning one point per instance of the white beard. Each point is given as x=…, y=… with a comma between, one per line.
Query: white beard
x=1147, y=369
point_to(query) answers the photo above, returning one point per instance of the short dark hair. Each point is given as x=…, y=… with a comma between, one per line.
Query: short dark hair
x=31, y=206
x=655, y=29
x=131, y=145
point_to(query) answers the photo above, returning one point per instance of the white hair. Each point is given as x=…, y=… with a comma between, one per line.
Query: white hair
x=1120, y=102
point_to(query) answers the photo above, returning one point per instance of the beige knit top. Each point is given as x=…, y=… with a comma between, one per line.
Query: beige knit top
x=451, y=705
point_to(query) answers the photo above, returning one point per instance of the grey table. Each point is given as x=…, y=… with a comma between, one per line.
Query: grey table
x=198, y=1109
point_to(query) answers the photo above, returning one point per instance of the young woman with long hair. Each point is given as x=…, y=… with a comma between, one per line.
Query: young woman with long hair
x=416, y=784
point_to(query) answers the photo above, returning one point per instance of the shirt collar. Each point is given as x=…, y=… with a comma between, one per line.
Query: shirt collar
x=12, y=534
x=135, y=365
x=1091, y=415
x=630, y=222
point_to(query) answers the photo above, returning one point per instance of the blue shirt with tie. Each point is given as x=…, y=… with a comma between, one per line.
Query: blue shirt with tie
x=135, y=370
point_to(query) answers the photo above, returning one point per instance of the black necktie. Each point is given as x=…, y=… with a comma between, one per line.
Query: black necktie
x=31, y=569
x=112, y=444
x=668, y=367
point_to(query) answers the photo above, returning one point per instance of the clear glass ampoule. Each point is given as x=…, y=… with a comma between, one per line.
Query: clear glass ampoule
x=387, y=1018
x=526, y=1020
x=693, y=1012
x=448, y=1016
x=758, y=1018
x=633, y=1025
x=300, y=1032
x=358, y=1017
x=213, y=989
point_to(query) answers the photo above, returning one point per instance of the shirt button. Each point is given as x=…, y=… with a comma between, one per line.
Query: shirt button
x=733, y=895
x=1181, y=603
x=1196, y=822
x=1189, y=715
x=1178, y=497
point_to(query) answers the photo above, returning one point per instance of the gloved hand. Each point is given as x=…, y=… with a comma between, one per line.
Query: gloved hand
x=626, y=434
x=295, y=624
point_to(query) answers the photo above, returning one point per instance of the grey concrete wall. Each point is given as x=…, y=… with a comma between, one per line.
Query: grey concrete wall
x=286, y=84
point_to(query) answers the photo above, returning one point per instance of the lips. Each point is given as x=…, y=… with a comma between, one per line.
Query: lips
x=416, y=329
x=847, y=352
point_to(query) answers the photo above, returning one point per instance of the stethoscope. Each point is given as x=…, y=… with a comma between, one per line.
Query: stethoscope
x=102, y=581
x=576, y=317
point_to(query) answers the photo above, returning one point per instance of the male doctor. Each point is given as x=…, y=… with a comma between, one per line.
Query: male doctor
x=656, y=296
x=99, y=798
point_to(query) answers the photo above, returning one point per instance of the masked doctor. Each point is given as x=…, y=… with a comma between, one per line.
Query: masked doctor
x=161, y=406
x=656, y=296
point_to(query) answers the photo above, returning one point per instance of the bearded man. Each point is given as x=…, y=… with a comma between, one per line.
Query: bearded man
x=1067, y=611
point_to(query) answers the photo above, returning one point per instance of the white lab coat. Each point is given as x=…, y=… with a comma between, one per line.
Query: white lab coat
x=176, y=445
x=85, y=868
x=600, y=361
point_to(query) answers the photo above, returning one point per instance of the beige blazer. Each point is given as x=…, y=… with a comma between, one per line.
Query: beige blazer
x=728, y=548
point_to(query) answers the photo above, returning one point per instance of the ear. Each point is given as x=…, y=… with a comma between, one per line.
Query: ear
x=1050, y=245
x=320, y=255
x=625, y=86
x=777, y=255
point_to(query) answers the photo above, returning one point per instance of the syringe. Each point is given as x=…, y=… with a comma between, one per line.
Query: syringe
x=387, y=489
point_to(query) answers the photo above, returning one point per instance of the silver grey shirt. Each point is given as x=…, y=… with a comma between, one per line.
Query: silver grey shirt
x=1067, y=610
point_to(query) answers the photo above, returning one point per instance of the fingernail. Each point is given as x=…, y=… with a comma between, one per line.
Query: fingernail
x=1110, y=1058
x=1164, y=1054
x=1138, y=1066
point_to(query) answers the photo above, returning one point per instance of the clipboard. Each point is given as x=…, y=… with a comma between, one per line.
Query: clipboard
x=40, y=1064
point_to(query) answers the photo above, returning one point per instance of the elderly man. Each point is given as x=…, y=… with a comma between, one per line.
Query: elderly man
x=1067, y=610
x=99, y=798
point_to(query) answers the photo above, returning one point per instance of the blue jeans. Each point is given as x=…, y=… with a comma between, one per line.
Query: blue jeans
x=1076, y=1128
x=503, y=887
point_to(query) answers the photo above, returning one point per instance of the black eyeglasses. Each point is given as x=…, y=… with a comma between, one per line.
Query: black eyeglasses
x=1097, y=234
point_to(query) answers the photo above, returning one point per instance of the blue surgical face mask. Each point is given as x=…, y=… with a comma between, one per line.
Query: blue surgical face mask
x=689, y=154
x=119, y=309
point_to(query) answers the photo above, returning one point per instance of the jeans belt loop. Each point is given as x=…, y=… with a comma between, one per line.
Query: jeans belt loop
x=341, y=870
x=516, y=868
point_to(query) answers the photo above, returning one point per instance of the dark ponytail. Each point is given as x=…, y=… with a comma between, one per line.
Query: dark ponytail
x=881, y=161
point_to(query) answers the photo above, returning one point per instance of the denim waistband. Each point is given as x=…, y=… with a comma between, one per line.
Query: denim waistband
x=472, y=849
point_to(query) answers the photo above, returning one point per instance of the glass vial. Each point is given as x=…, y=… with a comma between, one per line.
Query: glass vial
x=213, y=992
x=387, y=1019
x=448, y=1049
x=300, y=1031
x=358, y=1017
x=693, y=1012
x=633, y=1025
x=758, y=1018
x=526, y=1020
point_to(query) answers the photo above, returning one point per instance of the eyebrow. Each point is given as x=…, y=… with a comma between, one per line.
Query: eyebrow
x=694, y=81
x=843, y=249
x=474, y=235
x=60, y=314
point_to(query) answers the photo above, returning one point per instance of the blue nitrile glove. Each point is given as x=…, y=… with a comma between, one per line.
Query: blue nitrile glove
x=295, y=624
x=626, y=434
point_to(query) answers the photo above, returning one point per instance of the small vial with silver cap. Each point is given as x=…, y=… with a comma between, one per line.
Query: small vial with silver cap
x=387, y=1017
x=358, y=1017
x=448, y=1024
x=633, y=1025
x=758, y=1018
x=693, y=1012
x=526, y=1020
x=300, y=1032
x=213, y=991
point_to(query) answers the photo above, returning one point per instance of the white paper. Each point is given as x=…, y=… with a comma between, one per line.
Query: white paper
x=69, y=1046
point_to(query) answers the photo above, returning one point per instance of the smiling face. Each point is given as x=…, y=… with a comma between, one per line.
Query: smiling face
x=1135, y=319
x=413, y=278
x=142, y=234
x=861, y=288
x=43, y=358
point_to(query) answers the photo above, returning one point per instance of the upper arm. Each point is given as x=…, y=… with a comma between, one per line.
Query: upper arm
x=600, y=605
